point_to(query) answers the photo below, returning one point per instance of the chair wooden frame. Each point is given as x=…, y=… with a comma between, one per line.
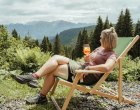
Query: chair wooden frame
x=96, y=88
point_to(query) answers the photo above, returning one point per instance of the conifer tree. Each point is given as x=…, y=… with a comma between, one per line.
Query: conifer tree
x=120, y=25
x=128, y=27
x=77, y=51
x=106, y=24
x=135, y=51
x=37, y=42
x=81, y=40
x=15, y=34
x=95, y=39
x=110, y=25
x=50, y=47
x=68, y=51
x=137, y=28
x=73, y=54
x=57, y=45
x=45, y=44
x=85, y=36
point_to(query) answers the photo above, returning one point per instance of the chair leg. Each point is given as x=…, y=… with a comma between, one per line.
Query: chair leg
x=52, y=92
x=120, y=98
x=78, y=76
x=68, y=98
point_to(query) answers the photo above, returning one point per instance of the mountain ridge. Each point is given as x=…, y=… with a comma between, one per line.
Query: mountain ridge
x=39, y=29
x=69, y=36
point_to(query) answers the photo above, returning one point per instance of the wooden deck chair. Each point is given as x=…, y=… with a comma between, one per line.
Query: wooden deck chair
x=124, y=45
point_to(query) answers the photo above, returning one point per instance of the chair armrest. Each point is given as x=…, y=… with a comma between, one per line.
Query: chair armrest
x=87, y=71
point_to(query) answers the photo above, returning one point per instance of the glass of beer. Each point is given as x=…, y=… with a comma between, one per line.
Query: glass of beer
x=86, y=49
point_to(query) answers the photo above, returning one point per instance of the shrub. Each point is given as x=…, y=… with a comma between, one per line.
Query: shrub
x=29, y=60
x=131, y=70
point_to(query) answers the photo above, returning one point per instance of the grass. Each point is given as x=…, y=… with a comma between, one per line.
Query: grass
x=11, y=90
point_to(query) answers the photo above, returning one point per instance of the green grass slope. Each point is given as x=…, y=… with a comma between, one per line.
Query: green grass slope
x=70, y=36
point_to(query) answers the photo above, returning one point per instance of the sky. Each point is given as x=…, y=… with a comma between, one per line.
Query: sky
x=77, y=11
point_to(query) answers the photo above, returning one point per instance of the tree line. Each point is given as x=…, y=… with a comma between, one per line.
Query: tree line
x=124, y=28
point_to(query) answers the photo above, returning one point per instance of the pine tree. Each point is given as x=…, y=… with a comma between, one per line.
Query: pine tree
x=85, y=36
x=135, y=52
x=95, y=39
x=37, y=42
x=106, y=24
x=45, y=44
x=81, y=40
x=68, y=51
x=57, y=45
x=120, y=25
x=77, y=51
x=111, y=25
x=50, y=47
x=128, y=27
x=137, y=28
x=15, y=34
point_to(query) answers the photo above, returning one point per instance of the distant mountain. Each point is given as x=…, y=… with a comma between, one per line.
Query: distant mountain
x=69, y=37
x=37, y=29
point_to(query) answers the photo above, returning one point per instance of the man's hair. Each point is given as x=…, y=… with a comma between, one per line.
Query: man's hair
x=109, y=38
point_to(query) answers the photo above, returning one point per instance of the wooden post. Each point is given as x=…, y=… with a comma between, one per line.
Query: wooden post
x=78, y=76
x=120, y=98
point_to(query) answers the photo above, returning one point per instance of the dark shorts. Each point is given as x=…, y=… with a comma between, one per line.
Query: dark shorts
x=89, y=79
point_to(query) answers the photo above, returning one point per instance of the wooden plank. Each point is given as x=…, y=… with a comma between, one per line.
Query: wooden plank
x=125, y=100
x=88, y=71
x=55, y=103
x=77, y=78
x=120, y=81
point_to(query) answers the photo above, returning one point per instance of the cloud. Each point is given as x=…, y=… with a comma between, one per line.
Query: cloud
x=22, y=11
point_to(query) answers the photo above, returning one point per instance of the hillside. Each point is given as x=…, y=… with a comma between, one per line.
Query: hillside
x=70, y=36
x=37, y=29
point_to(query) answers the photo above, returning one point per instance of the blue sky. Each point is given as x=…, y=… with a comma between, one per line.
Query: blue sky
x=83, y=11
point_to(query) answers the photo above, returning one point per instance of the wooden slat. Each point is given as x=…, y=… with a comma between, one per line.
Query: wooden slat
x=77, y=78
x=88, y=71
x=109, y=91
x=55, y=103
x=120, y=81
x=125, y=100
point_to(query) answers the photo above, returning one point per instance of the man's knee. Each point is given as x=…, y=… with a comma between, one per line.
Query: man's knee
x=56, y=57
